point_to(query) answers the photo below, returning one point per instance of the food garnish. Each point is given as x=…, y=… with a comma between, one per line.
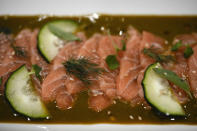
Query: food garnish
x=188, y=50
x=82, y=68
x=158, y=57
x=158, y=93
x=176, y=46
x=22, y=95
x=174, y=78
x=37, y=69
x=52, y=37
x=123, y=45
x=112, y=62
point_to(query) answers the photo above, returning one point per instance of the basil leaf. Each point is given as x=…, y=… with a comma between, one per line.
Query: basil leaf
x=188, y=52
x=158, y=57
x=68, y=36
x=174, y=78
x=112, y=62
x=123, y=45
x=37, y=69
x=176, y=46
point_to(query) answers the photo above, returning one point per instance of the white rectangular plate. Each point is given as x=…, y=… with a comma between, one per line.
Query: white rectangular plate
x=79, y=7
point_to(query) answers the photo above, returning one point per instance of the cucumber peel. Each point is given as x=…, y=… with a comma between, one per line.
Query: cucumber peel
x=158, y=93
x=22, y=96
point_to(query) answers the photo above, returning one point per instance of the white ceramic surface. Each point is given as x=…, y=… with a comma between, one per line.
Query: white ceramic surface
x=82, y=7
x=76, y=7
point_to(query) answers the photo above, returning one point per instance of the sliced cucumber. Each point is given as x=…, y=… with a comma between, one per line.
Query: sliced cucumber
x=22, y=96
x=158, y=93
x=48, y=43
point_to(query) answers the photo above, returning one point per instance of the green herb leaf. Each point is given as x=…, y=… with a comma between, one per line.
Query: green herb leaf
x=166, y=58
x=0, y=80
x=68, y=36
x=113, y=43
x=37, y=69
x=174, y=78
x=19, y=51
x=123, y=45
x=117, y=48
x=176, y=46
x=83, y=69
x=188, y=52
x=150, y=53
x=158, y=57
x=112, y=62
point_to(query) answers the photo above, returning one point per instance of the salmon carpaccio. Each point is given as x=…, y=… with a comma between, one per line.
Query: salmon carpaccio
x=123, y=83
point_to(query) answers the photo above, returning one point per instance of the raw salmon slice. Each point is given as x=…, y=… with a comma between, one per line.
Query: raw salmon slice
x=108, y=78
x=150, y=40
x=99, y=102
x=192, y=64
x=186, y=38
x=27, y=40
x=102, y=91
x=58, y=85
x=8, y=60
x=96, y=95
x=127, y=87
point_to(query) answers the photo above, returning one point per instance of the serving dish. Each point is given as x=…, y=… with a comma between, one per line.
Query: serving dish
x=92, y=9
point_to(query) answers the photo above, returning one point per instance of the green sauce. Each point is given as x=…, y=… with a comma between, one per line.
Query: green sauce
x=119, y=113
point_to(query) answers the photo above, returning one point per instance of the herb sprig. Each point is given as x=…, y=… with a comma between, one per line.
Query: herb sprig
x=37, y=69
x=158, y=57
x=82, y=68
x=123, y=45
x=188, y=50
x=111, y=60
x=174, y=78
x=176, y=46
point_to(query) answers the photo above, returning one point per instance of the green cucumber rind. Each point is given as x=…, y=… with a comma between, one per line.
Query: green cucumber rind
x=147, y=99
x=41, y=50
x=45, y=115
